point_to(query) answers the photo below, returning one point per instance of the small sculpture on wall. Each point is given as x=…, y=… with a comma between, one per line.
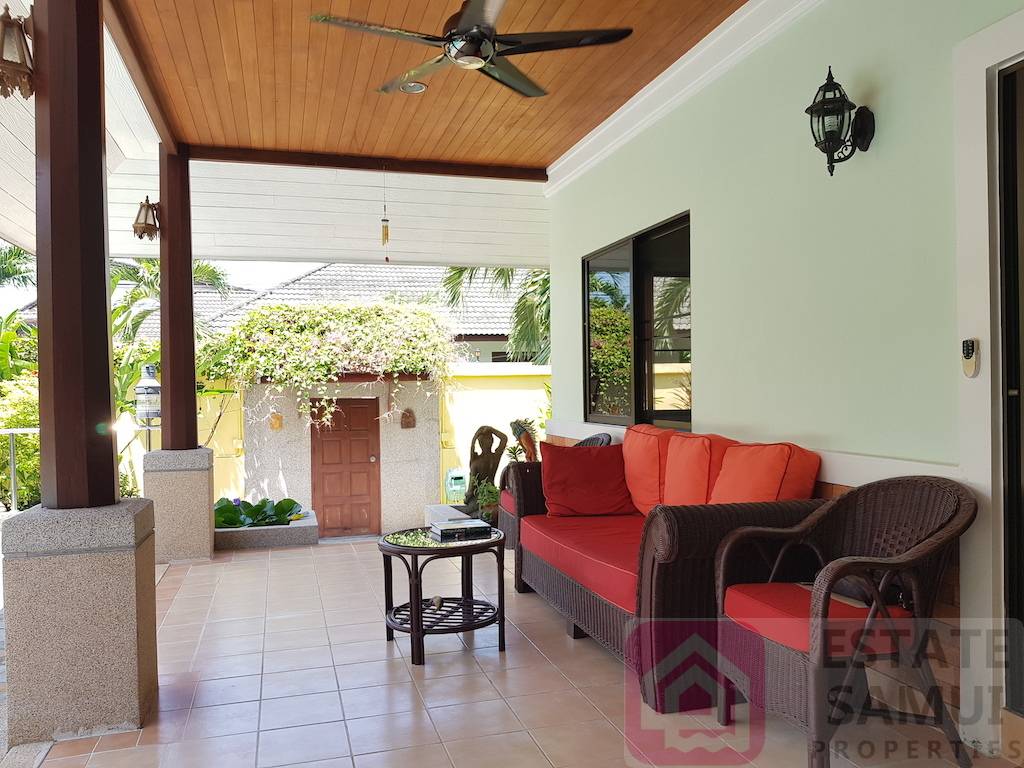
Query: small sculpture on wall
x=485, y=453
x=408, y=419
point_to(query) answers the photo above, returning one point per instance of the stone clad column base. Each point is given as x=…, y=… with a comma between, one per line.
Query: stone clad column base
x=180, y=483
x=80, y=605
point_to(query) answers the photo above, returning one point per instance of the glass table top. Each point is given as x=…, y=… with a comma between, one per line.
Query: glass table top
x=419, y=538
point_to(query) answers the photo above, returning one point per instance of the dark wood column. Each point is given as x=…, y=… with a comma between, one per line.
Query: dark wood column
x=178, y=430
x=78, y=455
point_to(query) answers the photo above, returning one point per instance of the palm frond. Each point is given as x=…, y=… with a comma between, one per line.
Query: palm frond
x=529, y=337
x=457, y=280
x=17, y=267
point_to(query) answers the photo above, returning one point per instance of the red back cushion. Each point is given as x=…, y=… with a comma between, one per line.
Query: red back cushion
x=645, y=452
x=772, y=472
x=693, y=465
x=584, y=481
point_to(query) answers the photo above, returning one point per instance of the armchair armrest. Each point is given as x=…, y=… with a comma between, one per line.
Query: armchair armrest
x=677, y=553
x=732, y=561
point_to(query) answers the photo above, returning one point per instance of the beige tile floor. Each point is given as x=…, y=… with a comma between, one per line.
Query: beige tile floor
x=278, y=659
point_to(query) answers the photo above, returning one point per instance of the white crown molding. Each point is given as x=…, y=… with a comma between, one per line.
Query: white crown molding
x=753, y=25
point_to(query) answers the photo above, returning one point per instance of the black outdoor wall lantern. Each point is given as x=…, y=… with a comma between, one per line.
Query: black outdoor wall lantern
x=838, y=130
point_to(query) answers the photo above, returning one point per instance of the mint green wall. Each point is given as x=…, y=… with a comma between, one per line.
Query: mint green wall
x=824, y=309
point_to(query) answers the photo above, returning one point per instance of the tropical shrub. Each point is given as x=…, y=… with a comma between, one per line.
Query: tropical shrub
x=309, y=349
x=237, y=513
x=19, y=408
x=611, y=359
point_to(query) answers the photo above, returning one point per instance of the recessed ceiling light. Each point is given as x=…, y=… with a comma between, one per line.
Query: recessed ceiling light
x=413, y=86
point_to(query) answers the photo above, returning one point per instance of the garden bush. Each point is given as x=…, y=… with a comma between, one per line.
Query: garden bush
x=308, y=349
x=19, y=408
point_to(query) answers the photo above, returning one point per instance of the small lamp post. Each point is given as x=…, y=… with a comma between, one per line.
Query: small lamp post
x=147, y=220
x=838, y=131
x=147, y=400
x=15, y=55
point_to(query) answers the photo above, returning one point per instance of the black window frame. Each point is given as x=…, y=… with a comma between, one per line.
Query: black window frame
x=640, y=301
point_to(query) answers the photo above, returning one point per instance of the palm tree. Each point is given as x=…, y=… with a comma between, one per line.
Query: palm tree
x=141, y=279
x=17, y=267
x=529, y=337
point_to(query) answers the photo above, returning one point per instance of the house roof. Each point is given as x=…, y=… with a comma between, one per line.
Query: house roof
x=206, y=302
x=485, y=312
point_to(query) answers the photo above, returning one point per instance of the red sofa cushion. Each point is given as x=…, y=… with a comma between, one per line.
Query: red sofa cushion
x=584, y=481
x=781, y=612
x=774, y=472
x=507, y=501
x=645, y=452
x=601, y=554
x=693, y=465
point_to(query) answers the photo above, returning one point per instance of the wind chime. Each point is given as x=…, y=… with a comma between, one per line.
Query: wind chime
x=385, y=224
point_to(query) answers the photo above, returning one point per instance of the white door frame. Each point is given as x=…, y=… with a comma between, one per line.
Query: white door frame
x=976, y=65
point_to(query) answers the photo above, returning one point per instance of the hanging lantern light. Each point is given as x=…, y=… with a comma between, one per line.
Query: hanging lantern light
x=838, y=131
x=15, y=55
x=147, y=220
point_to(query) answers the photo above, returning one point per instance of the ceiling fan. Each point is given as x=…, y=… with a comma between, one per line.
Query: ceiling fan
x=471, y=41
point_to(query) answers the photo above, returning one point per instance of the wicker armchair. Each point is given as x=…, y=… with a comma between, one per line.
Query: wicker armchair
x=884, y=545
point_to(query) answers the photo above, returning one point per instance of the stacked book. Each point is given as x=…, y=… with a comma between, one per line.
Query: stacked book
x=469, y=529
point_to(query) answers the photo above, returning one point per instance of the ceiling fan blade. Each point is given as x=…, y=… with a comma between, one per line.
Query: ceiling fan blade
x=480, y=13
x=508, y=74
x=417, y=73
x=533, y=42
x=376, y=29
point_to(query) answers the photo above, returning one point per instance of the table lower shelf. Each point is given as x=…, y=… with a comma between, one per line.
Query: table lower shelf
x=453, y=614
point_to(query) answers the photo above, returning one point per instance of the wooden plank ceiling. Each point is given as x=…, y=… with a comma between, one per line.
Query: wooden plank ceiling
x=257, y=74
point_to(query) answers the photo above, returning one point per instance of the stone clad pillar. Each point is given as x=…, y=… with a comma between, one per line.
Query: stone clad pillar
x=80, y=601
x=79, y=576
x=179, y=477
x=180, y=483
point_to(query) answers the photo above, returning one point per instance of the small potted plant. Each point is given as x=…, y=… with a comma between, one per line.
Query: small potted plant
x=488, y=496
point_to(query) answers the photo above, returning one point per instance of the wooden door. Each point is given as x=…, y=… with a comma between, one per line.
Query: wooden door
x=346, y=470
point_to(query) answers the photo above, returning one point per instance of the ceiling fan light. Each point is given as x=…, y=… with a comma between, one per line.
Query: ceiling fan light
x=413, y=87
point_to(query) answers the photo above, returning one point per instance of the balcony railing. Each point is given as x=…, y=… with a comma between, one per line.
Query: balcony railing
x=12, y=457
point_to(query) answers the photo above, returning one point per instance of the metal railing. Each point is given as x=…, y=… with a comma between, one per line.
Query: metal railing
x=12, y=457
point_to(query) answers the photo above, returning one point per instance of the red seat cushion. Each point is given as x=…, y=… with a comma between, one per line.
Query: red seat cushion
x=775, y=472
x=600, y=553
x=781, y=613
x=584, y=481
x=507, y=501
x=645, y=452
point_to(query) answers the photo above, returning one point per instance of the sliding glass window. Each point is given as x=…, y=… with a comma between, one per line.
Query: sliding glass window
x=637, y=329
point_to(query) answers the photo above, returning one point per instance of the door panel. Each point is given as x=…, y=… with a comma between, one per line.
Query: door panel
x=346, y=470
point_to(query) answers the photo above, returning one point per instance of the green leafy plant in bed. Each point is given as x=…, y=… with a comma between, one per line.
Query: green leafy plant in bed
x=237, y=513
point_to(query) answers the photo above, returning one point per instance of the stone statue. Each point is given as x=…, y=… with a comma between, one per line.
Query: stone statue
x=484, y=458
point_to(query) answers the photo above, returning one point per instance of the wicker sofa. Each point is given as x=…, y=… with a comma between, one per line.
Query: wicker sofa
x=603, y=573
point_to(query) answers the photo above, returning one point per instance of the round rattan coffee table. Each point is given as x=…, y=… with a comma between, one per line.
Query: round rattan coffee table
x=440, y=615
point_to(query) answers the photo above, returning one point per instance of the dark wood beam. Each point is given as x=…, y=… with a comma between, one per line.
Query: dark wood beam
x=178, y=429
x=141, y=75
x=366, y=163
x=76, y=405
